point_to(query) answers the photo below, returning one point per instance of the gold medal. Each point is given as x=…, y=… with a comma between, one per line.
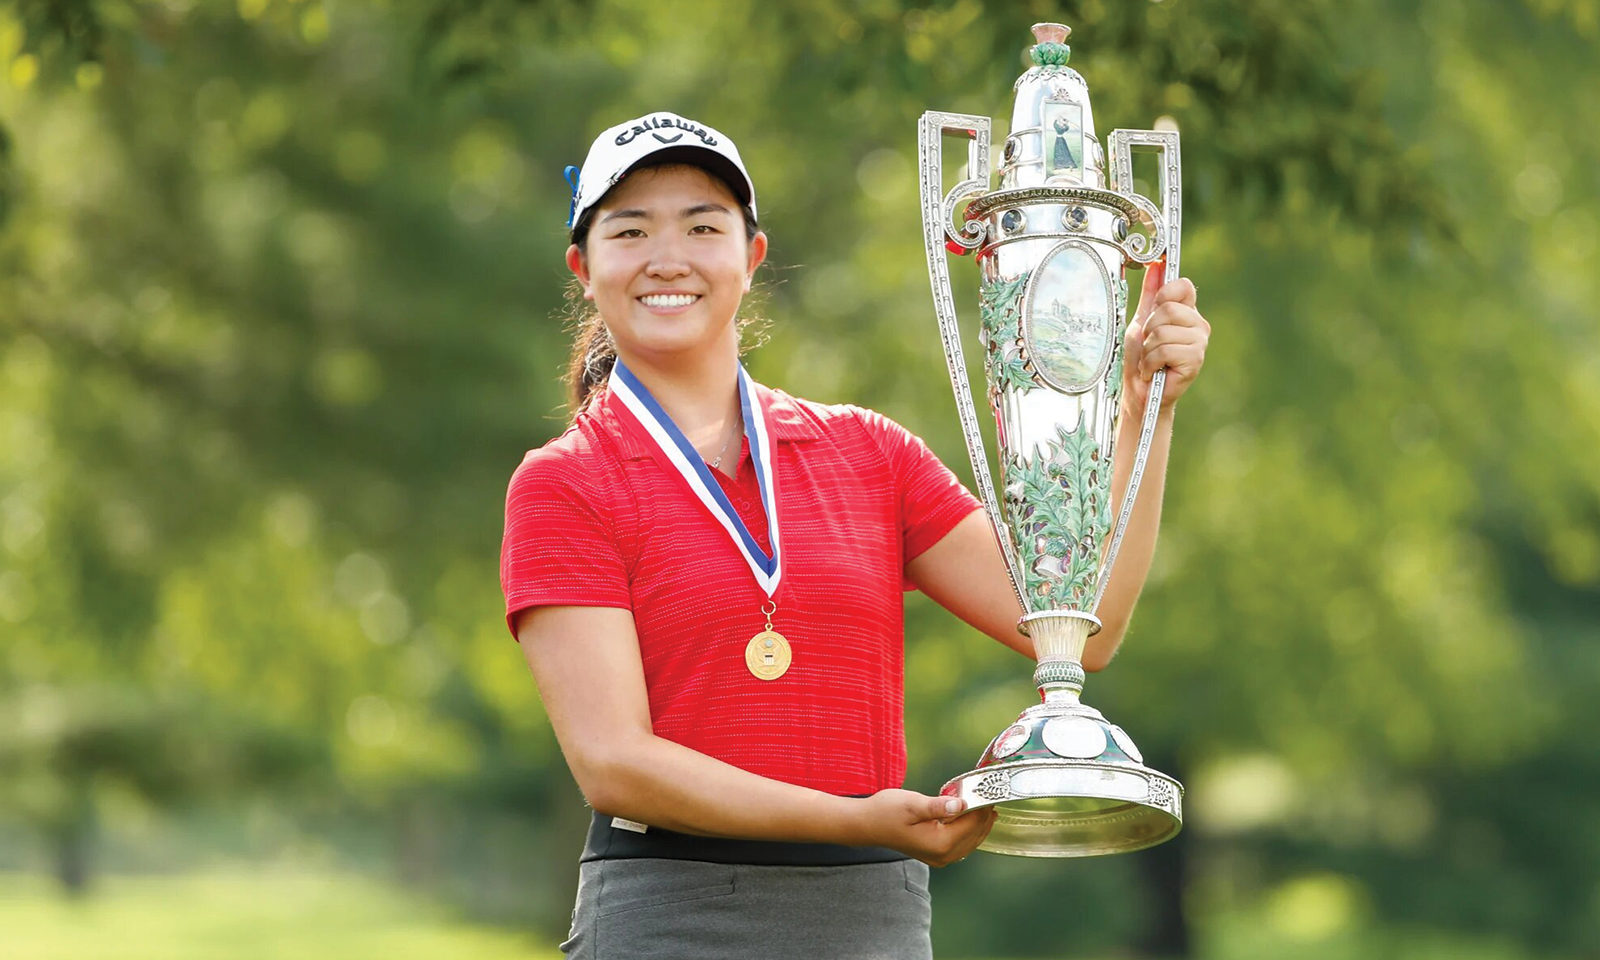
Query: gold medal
x=768, y=654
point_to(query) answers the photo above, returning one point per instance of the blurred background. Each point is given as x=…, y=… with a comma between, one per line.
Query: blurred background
x=281, y=309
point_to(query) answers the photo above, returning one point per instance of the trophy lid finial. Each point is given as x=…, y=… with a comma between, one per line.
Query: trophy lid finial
x=1051, y=50
x=1051, y=32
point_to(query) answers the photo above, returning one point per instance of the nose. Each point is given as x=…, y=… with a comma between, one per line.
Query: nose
x=667, y=261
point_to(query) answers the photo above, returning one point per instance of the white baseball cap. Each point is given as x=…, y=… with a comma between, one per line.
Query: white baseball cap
x=657, y=136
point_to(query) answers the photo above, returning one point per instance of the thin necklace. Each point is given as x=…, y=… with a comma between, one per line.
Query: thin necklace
x=717, y=463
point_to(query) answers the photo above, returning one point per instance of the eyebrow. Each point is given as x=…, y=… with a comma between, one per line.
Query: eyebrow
x=694, y=211
x=705, y=208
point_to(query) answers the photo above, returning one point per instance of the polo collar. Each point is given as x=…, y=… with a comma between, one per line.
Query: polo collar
x=787, y=422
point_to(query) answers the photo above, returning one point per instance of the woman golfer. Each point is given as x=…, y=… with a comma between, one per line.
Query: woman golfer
x=705, y=575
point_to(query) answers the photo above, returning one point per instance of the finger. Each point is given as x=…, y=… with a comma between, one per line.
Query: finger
x=1173, y=313
x=1153, y=276
x=1169, y=334
x=1180, y=360
x=970, y=814
x=980, y=832
x=1171, y=356
x=960, y=837
x=1179, y=290
x=967, y=817
x=1133, y=344
x=943, y=809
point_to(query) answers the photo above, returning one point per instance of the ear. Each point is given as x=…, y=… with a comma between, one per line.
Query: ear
x=580, y=269
x=758, y=255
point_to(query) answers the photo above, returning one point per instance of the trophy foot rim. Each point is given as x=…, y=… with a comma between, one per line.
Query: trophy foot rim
x=1072, y=808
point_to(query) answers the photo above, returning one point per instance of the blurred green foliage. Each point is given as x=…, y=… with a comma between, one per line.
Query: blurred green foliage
x=281, y=310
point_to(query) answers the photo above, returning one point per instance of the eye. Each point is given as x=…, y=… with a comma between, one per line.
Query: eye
x=703, y=228
x=627, y=234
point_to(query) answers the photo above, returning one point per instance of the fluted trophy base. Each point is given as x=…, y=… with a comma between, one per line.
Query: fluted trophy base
x=1067, y=783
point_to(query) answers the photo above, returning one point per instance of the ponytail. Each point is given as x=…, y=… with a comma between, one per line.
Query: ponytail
x=593, y=354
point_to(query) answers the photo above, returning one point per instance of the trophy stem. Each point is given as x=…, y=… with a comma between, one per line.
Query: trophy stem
x=1059, y=637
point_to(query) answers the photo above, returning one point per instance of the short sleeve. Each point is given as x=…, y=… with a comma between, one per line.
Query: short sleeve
x=560, y=547
x=932, y=500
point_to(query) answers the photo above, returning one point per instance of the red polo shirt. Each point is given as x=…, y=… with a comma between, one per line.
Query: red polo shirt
x=599, y=517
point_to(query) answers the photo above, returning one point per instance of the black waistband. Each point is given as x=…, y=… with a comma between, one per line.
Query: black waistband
x=614, y=843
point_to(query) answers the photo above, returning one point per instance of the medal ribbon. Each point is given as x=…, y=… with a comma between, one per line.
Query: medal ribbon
x=692, y=467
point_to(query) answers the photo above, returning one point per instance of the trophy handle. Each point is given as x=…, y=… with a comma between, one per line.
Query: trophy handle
x=1164, y=244
x=941, y=235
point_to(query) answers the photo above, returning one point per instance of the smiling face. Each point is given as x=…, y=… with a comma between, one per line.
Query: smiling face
x=666, y=263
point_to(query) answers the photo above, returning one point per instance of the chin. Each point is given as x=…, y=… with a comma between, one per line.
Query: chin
x=678, y=343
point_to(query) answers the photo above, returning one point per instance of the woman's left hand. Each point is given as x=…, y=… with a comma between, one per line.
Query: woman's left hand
x=1166, y=331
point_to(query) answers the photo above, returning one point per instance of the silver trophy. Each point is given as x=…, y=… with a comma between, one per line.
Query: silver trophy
x=1052, y=244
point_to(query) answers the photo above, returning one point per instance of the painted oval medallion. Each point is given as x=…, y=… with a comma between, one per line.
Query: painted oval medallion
x=1068, y=318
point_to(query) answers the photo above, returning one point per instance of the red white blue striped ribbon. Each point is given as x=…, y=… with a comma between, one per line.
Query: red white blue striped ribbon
x=692, y=467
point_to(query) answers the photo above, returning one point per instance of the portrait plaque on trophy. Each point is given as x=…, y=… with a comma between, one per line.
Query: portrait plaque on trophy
x=1062, y=121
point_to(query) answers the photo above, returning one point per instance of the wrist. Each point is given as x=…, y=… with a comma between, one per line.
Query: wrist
x=1132, y=413
x=851, y=824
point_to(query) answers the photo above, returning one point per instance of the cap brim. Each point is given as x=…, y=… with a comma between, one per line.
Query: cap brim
x=709, y=160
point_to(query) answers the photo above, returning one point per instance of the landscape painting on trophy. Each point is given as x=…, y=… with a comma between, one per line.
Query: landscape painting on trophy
x=1068, y=328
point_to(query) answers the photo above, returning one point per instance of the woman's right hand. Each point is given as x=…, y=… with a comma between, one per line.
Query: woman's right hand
x=936, y=830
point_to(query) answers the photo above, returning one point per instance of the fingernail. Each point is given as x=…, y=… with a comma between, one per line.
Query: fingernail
x=952, y=806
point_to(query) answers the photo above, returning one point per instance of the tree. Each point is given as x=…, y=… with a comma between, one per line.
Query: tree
x=280, y=312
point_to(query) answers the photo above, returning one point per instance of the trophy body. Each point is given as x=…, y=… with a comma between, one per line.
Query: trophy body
x=1052, y=244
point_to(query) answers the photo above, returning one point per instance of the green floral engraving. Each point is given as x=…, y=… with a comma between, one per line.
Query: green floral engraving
x=1059, y=510
x=1050, y=54
x=1000, y=315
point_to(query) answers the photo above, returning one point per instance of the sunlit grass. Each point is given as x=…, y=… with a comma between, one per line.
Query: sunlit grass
x=241, y=914
x=275, y=913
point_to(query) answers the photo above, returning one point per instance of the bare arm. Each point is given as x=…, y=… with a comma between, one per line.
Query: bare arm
x=965, y=573
x=1167, y=332
x=1127, y=575
x=586, y=663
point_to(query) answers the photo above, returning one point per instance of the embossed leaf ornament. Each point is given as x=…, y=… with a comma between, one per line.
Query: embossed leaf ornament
x=1062, y=505
x=1089, y=512
x=1000, y=315
x=1116, y=341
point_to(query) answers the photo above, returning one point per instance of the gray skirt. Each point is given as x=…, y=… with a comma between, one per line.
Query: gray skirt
x=641, y=909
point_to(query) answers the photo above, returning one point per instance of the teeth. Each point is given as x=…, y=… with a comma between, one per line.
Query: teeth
x=668, y=299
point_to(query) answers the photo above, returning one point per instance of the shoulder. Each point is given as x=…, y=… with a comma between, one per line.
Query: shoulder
x=578, y=462
x=799, y=416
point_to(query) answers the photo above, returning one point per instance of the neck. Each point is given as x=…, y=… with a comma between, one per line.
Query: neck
x=701, y=398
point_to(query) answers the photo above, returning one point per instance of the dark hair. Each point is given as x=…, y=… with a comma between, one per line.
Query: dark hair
x=593, y=354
